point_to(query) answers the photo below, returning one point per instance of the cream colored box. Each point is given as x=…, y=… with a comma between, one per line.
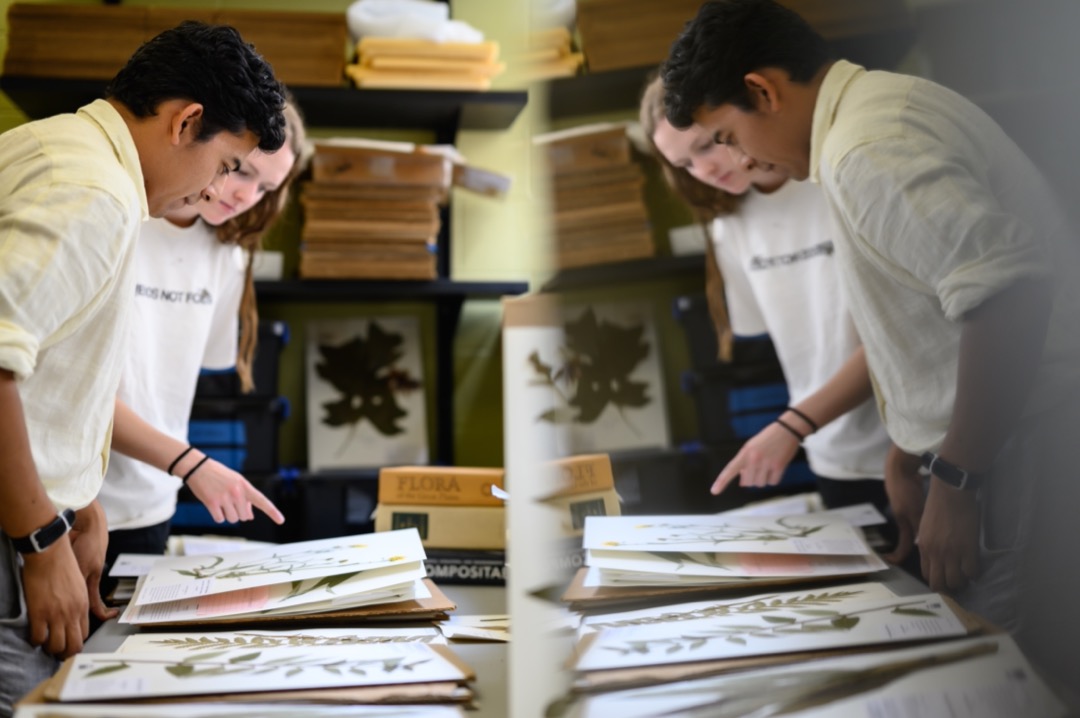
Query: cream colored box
x=467, y=527
x=574, y=508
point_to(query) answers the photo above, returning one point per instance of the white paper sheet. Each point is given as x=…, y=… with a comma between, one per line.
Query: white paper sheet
x=133, y=565
x=103, y=676
x=831, y=597
x=200, y=545
x=801, y=534
x=173, y=578
x=673, y=565
x=193, y=641
x=476, y=628
x=801, y=628
x=378, y=586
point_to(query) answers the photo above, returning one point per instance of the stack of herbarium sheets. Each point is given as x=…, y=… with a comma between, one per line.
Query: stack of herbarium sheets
x=762, y=629
x=306, y=578
x=315, y=665
x=983, y=677
x=325, y=671
x=716, y=550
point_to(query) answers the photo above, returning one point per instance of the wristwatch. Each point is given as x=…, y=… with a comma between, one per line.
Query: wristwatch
x=47, y=535
x=951, y=474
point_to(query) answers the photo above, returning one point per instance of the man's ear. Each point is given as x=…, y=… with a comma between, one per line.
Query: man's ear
x=764, y=90
x=185, y=123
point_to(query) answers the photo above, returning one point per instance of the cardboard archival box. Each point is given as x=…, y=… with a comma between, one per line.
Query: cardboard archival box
x=440, y=485
x=585, y=486
x=583, y=474
x=468, y=527
x=575, y=508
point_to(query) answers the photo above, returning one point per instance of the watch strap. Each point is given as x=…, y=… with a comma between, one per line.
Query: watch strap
x=47, y=535
x=950, y=473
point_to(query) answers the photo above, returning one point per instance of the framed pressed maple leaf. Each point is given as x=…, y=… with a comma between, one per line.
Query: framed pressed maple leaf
x=602, y=378
x=365, y=393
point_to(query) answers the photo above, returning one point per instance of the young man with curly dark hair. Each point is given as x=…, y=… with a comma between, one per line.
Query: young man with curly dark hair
x=188, y=107
x=956, y=259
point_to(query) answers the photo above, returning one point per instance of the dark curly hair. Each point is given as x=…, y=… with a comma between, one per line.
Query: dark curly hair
x=727, y=40
x=210, y=65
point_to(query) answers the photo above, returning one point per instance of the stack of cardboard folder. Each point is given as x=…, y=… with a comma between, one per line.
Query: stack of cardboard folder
x=600, y=214
x=549, y=54
x=618, y=34
x=94, y=42
x=372, y=213
x=407, y=63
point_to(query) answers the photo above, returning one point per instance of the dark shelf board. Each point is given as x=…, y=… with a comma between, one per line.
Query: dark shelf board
x=322, y=106
x=346, y=290
x=597, y=92
x=615, y=90
x=649, y=269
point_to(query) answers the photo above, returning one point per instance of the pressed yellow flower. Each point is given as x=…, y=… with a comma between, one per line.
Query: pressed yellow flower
x=611, y=543
x=358, y=545
x=397, y=558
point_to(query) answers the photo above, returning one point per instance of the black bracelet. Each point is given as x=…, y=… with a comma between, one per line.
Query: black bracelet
x=812, y=424
x=177, y=460
x=195, y=468
x=790, y=428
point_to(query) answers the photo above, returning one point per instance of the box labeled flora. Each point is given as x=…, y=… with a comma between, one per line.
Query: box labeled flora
x=463, y=527
x=440, y=485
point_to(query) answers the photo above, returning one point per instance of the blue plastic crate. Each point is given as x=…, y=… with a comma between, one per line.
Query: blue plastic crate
x=235, y=457
x=240, y=433
x=747, y=425
x=217, y=432
x=757, y=398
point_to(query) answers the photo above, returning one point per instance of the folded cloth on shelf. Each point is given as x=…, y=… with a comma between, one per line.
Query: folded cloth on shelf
x=424, y=19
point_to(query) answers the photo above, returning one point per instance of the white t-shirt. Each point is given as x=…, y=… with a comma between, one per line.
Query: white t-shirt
x=187, y=294
x=938, y=210
x=71, y=202
x=780, y=277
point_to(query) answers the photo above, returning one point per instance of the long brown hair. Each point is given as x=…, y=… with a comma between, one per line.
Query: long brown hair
x=706, y=202
x=246, y=230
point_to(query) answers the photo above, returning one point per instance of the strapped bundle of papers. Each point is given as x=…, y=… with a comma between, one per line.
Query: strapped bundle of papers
x=303, y=578
x=371, y=209
x=600, y=214
x=721, y=549
x=408, y=63
x=549, y=53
